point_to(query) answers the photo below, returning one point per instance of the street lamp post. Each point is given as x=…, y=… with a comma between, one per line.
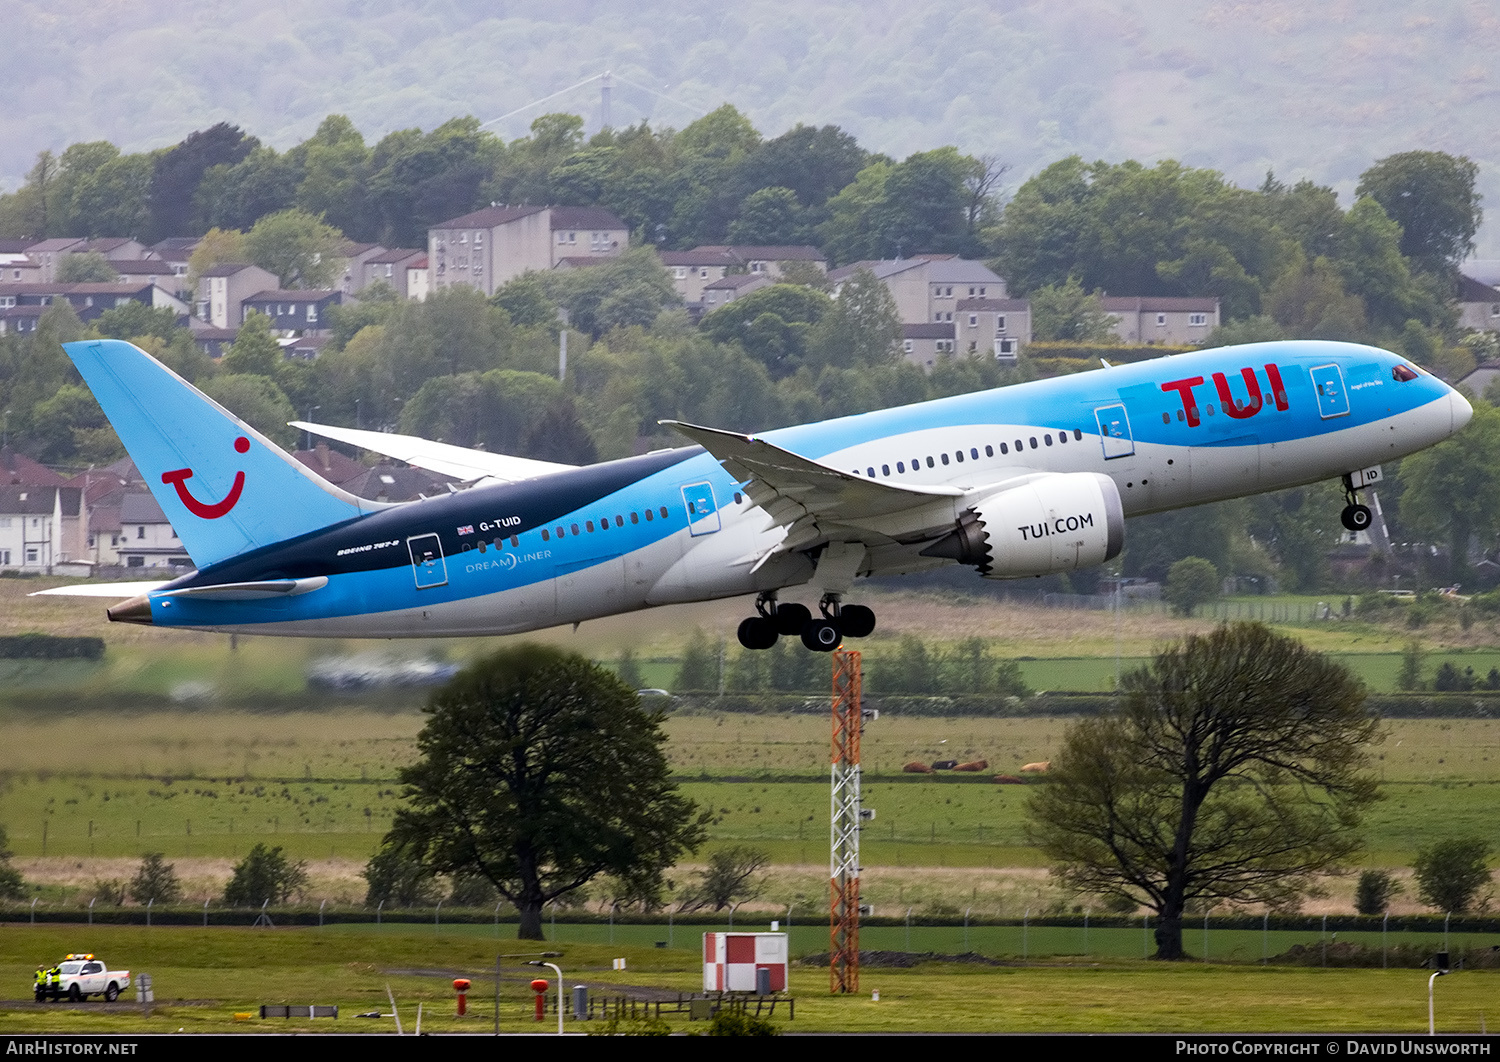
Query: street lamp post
x=551, y=966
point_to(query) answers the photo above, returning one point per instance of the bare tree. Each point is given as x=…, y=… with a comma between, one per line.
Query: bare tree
x=729, y=878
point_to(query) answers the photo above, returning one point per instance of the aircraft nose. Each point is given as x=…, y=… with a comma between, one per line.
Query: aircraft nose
x=1460, y=409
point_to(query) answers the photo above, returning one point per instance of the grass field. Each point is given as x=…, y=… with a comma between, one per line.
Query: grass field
x=203, y=977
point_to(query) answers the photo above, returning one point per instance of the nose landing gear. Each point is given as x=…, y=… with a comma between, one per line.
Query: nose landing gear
x=821, y=634
x=1355, y=517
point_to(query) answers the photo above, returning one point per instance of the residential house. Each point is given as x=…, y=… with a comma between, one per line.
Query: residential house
x=388, y=482
x=767, y=259
x=926, y=288
x=331, y=465
x=393, y=268
x=691, y=271
x=176, y=251
x=19, y=469
x=212, y=341
x=89, y=300
x=293, y=311
x=488, y=247
x=41, y=529
x=1478, y=305
x=923, y=344
x=147, y=539
x=418, y=279
x=355, y=256
x=48, y=253
x=222, y=289
x=169, y=276
x=992, y=326
x=1174, y=321
x=118, y=249
x=21, y=271
x=725, y=290
x=13, y=251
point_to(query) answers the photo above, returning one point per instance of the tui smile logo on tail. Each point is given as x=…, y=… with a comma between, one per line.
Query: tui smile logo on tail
x=207, y=510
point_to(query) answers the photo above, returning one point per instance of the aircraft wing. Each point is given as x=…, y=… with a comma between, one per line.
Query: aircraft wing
x=445, y=458
x=816, y=502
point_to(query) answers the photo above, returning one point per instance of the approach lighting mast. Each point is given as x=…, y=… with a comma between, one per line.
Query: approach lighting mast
x=843, y=863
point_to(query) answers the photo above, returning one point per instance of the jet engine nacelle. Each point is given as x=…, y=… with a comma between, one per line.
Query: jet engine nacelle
x=1055, y=523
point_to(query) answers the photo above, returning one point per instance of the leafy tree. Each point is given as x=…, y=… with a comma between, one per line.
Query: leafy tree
x=236, y=197
x=540, y=771
x=155, y=880
x=12, y=887
x=731, y=1021
x=912, y=669
x=1431, y=195
x=1191, y=582
x=88, y=267
x=630, y=289
x=135, y=319
x=629, y=669
x=1375, y=891
x=861, y=329
x=178, y=171
x=1234, y=772
x=1452, y=490
x=254, y=350
x=728, y=879
x=397, y=878
x=1066, y=312
x=1410, y=676
x=526, y=300
x=216, y=247
x=298, y=247
x=1452, y=875
x=698, y=670
x=265, y=874
x=1309, y=301
x=769, y=216
x=772, y=325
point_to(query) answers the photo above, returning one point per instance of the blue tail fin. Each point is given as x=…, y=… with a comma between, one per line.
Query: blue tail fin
x=226, y=488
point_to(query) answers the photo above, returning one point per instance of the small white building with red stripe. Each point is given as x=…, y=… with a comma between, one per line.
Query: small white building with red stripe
x=730, y=961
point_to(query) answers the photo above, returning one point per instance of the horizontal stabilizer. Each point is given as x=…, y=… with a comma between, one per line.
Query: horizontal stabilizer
x=252, y=591
x=443, y=458
x=115, y=590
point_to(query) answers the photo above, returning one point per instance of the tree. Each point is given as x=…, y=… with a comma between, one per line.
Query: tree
x=12, y=887
x=297, y=246
x=216, y=247
x=862, y=328
x=397, y=878
x=89, y=267
x=1191, y=582
x=1233, y=773
x=1431, y=195
x=155, y=881
x=728, y=879
x=1067, y=312
x=254, y=351
x=265, y=875
x=1452, y=490
x=1375, y=891
x=257, y=401
x=1452, y=875
x=178, y=171
x=539, y=771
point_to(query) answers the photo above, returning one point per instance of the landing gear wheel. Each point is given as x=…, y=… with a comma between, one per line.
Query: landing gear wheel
x=1356, y=517
x=857, y=621
x=757, y=632
x=791, y=617
x=821, y=636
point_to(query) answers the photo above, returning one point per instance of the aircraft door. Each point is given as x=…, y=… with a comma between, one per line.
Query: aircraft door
x=702, y=510
x=1333, y=398
x=1114, y=431
x=427, y=563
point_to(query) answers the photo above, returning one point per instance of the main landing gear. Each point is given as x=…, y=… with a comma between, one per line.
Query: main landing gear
x=823, y=634
x=1355, y=517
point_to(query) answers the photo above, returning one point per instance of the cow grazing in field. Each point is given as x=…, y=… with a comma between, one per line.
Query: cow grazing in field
x=973, y=765
x=915, y=767
x=1040, y=767
x=1009, y=779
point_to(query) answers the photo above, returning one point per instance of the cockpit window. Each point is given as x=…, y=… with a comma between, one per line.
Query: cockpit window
x=1403, y=373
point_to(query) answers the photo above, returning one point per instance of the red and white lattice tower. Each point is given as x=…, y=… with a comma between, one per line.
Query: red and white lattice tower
x=843, y=863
